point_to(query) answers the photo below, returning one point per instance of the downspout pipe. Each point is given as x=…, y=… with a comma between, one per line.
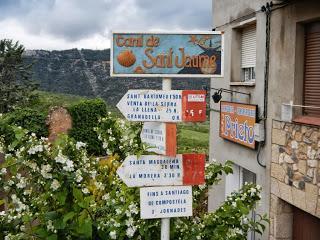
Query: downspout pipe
x=267, y=9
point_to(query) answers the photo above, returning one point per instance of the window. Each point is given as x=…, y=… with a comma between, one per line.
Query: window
x=248, y=53
x=312, y=70
x=236, y=180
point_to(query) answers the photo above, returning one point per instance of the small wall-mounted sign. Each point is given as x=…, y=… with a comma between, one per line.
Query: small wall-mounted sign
x=187, y=54
x=237, y=122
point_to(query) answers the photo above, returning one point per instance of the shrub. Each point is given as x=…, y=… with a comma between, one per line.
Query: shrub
x=57, y=191
x=7, y=134
x=85, y=116
x=30, y=119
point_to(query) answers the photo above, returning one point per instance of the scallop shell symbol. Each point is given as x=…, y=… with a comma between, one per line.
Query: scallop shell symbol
x=126, y=58
x=206, y=68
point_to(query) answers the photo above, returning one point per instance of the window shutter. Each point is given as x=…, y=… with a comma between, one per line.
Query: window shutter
x=312, y=69
x=248, y=47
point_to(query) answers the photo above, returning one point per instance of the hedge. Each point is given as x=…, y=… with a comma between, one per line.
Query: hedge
x=85, y=117
x=31, y=119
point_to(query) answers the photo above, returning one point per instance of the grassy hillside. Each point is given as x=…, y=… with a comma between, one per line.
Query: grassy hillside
x=193, y=137
x=46, y=100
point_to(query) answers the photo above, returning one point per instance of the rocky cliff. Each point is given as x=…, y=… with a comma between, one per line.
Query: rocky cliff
x=87, y=73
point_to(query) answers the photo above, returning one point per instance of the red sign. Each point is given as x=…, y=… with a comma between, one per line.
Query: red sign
x=193, y=169
x=194, y=105
x=237, y=122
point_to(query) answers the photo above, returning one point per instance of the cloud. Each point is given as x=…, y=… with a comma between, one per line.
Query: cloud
x=57, y=24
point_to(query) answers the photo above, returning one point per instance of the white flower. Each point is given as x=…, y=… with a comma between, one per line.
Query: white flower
x=99, y=185
x=22, y=183
x=35, y=149
x=10, y=182
x=50, y=226
x=129, y=222
x=45, y=169
x=85, y=190
x=60, y=158
x=55, y=185
x=118, y=211
x=113, y=235
x=106, y=197
x=105, y=145
x=79, y=177
x=2, y=213
x=252, y=191
x=130, y=231
x=80, y=145
x=69, y=167
x=133, y=208
x=3, y=171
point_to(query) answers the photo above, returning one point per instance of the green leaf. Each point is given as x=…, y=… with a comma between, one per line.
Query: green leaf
x=77, y=194
x=51, y=215
x=59, y=224
x=42, y=233
x=85, y=228
x=61, y=197
x=68, y=216
x=52, y=237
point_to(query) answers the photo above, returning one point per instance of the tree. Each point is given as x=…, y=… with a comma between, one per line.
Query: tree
x=16, y=86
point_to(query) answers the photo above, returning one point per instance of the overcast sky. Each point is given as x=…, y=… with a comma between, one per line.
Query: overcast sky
x=65, y=24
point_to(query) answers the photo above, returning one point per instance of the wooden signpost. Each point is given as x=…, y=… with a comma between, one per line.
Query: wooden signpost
x=155, y=170
x=165, y=55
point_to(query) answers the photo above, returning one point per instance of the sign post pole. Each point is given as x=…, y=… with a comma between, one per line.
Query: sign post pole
x=165, y=222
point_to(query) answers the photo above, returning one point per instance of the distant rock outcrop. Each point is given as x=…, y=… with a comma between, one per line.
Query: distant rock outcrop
x=87, y=73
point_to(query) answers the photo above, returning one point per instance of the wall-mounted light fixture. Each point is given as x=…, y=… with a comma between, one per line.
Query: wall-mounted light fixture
x=216, y=97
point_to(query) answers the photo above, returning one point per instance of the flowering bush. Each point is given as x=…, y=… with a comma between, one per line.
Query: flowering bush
x=57, y=191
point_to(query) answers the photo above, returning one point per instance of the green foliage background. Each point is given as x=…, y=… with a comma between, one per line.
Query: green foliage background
x=31, y=119
x=85, y=116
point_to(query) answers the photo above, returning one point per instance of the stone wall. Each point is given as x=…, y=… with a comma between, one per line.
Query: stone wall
x=295, y=173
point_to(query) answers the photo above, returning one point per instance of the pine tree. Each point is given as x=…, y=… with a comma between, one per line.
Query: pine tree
x=16, y=85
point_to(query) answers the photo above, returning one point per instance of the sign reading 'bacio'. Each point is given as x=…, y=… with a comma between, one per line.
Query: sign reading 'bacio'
x=237, y=122
x=167, y=54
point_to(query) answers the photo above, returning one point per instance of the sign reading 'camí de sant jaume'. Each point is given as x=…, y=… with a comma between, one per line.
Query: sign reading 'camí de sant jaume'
x=167, y=54
x=237, y=122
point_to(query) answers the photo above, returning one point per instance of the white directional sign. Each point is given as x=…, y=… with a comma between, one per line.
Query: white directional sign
x=164, y=202
x=164, y=106
x=155, y=170
x=161, y=137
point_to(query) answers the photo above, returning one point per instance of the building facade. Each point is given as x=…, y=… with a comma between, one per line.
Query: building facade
x=272, y=52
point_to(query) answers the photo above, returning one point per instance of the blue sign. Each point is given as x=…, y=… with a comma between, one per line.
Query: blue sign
x=167, y=54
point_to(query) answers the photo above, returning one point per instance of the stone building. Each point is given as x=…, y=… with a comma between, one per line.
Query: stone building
x=272, y=52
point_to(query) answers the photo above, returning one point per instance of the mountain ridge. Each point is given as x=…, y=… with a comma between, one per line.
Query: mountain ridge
x=86, y=72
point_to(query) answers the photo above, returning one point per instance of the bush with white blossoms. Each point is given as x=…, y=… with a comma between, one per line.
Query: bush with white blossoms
x=57, y=191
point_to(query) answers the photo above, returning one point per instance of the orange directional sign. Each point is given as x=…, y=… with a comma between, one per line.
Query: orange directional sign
x=160, y=137
x=164, y=106
x=155, y=170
